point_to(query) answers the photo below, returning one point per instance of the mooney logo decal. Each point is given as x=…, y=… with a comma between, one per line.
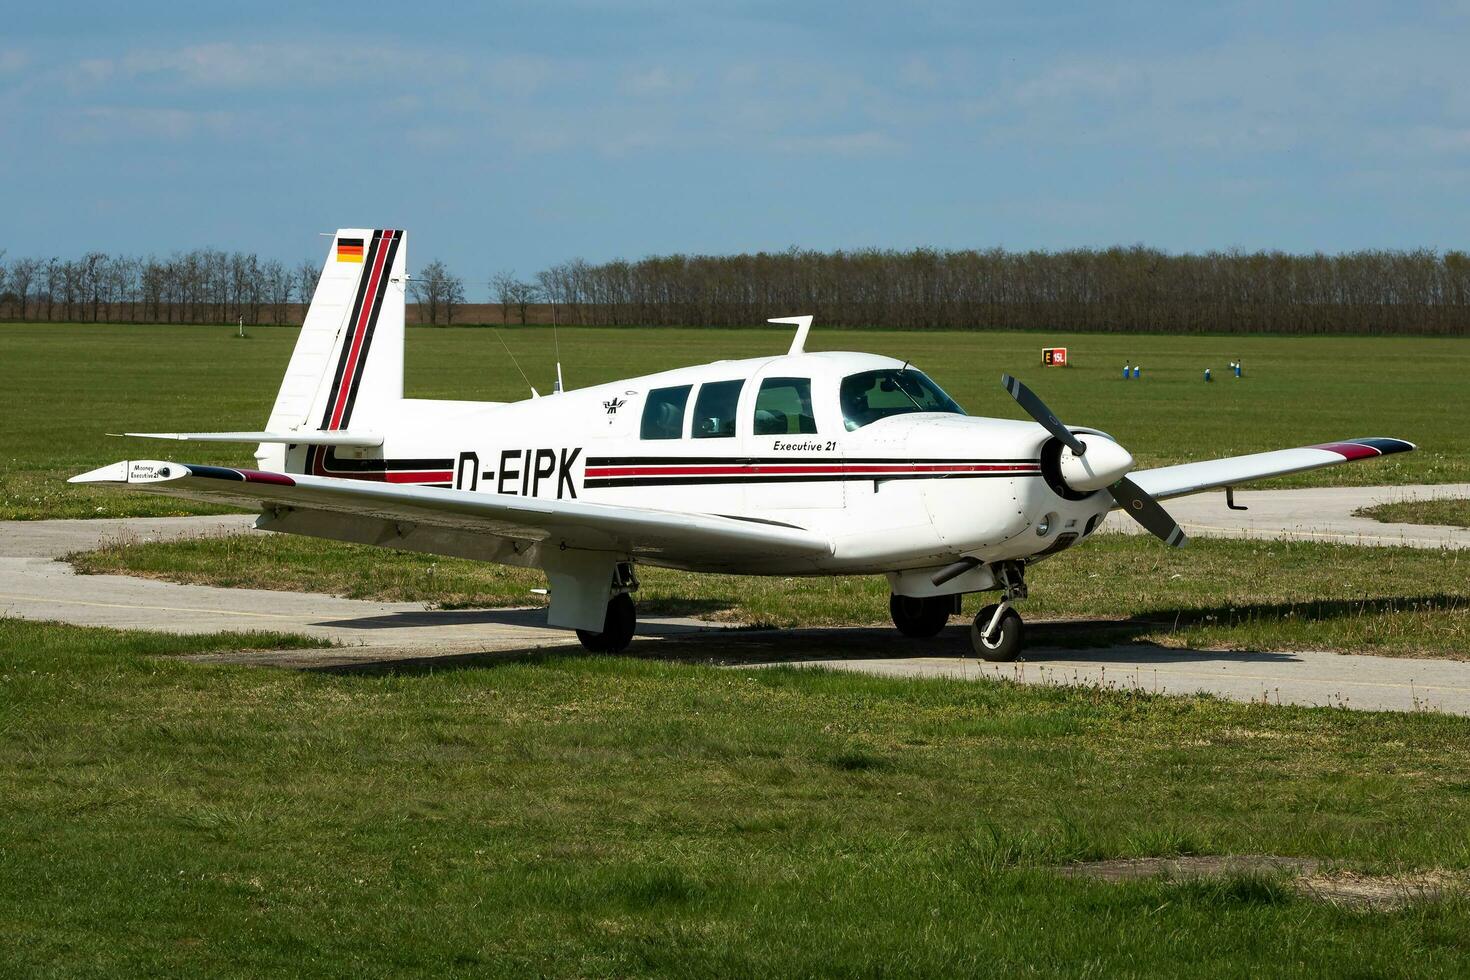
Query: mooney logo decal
x=613, y=405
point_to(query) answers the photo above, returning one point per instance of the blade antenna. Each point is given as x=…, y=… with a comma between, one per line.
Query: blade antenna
x=556, y=348
x=513, y=360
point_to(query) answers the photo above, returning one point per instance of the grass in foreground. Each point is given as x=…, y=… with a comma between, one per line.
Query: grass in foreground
x=578, y=815
x=1215, y=593
x=1297, y=391
x=1450, y=512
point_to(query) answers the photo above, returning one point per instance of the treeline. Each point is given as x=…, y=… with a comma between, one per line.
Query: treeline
x=202, y=286
x=1117, y=290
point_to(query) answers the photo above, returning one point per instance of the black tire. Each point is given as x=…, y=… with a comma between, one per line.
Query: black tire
x=617, y=628
x=920, y=618
x=1008, y=640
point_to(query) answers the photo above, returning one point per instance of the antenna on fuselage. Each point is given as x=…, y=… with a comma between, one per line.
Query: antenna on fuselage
x=534, y=392
x=556, y=348
x=803, y=327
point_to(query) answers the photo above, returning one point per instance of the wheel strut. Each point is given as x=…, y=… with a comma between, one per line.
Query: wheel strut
x=1000, y=611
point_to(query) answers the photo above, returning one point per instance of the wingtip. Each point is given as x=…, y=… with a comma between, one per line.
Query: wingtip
x=111, y=473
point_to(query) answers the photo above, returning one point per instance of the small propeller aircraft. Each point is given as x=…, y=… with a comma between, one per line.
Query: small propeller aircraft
x=799, y=464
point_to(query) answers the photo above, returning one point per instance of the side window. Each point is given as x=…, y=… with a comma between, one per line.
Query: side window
x=663, y=413
x=714, y=409
x=784, y=407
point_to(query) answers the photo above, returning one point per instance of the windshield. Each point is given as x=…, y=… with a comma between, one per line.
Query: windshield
x=874, y=395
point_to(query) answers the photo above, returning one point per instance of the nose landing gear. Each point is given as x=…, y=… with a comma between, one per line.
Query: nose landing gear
x=997, y=634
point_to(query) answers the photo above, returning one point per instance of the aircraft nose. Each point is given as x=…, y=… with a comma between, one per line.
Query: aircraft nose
x=1104, y=463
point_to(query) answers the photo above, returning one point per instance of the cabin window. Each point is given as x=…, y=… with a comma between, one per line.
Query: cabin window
x=874, y=395
x=663, y=413
x=714, y=409
x=784, y=407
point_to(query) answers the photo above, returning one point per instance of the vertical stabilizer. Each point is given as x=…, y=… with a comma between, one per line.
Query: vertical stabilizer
x=347, y=368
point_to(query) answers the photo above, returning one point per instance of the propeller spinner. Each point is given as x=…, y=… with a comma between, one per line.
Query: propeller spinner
x=1103, y=464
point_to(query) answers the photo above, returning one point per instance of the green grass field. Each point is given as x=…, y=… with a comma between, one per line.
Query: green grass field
x=1213, y=594
x=69, y=384
x=585, y=816
x=1453, y=513
x=575, y=815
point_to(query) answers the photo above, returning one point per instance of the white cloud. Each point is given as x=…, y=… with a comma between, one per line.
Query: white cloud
x=650, y=82
x=107, y=123
x=13, y=60
x=865, y=143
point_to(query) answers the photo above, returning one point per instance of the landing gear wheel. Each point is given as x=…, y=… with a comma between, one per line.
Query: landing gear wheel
x=920, y=618
x=1002, y=645
x=617, y=628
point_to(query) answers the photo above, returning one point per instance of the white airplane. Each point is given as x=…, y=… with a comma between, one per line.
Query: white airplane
x=799, y=464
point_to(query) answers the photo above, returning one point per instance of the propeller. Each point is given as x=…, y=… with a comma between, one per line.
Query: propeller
x=1136, y=502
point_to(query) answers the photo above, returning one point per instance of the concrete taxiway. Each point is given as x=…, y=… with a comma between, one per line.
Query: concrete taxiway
x=36, y=584
x=1316, y=514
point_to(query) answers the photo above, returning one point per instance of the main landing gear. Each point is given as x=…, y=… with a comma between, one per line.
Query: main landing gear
x=996, y=634
x=922, y=618
x=622, y=618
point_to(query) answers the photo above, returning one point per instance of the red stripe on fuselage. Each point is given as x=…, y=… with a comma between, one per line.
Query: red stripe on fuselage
x=370, y=301
x=818, y=469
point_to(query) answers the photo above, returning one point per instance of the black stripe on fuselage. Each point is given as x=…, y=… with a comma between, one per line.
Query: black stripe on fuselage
x=330, y=460
x=372, y=326
x=362, y=284
x=794, y=460
x=599, y=483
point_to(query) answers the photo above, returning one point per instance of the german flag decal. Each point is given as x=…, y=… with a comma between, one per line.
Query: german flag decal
x=349, y=250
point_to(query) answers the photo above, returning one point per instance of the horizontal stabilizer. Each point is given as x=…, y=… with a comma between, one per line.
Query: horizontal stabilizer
x=311, y=437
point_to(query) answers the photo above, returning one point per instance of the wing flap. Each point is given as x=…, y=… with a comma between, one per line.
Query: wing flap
x=575, y=523
x=1187, y=478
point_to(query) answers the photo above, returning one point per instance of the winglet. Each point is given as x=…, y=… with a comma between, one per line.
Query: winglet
x=803, y=327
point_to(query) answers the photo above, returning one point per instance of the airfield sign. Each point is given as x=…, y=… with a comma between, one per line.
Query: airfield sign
x=1054, y=356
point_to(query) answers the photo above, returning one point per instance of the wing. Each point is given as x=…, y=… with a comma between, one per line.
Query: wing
x=1186, y=478
x=458, y=522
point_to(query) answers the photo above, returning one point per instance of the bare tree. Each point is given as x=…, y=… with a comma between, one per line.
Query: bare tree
x=523, y=294
x=277, y=283
x=428, y=289
x=23, y=274
x=504, y=283
x=307, y=274
x=453, y=296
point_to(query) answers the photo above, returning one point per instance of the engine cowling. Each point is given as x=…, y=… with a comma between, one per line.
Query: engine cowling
x=1074, y=477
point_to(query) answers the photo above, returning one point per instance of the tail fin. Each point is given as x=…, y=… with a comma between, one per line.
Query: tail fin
x=347, y=368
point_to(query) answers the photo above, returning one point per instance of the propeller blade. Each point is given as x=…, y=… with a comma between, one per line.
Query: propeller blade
x=1144, y=509
x=1037, y=409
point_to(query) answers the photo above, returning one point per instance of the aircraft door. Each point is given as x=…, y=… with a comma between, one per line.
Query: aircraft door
x=789, y=448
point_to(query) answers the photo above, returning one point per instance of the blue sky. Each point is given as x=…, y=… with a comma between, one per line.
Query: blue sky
x=512, y=135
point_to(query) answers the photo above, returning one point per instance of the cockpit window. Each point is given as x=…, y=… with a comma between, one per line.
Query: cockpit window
x=874, y=395
x=783, y=406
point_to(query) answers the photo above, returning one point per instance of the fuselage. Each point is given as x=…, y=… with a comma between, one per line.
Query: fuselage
x=861, y=447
